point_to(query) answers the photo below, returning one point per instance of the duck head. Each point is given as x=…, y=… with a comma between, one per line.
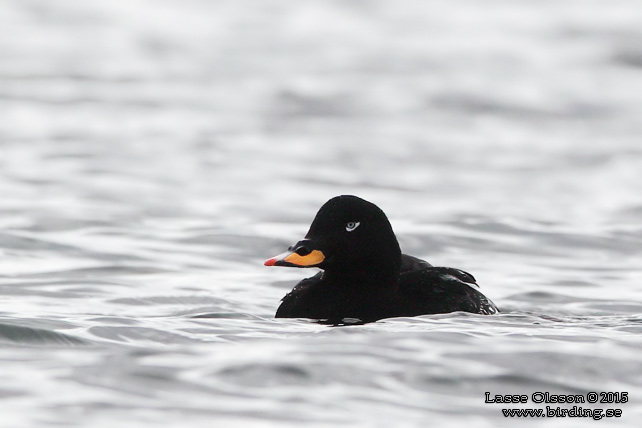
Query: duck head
x=349, y=235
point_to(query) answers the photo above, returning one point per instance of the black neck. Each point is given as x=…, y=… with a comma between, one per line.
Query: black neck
x=383, y=274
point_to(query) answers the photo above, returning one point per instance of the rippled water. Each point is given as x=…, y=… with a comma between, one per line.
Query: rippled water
x=154, y=153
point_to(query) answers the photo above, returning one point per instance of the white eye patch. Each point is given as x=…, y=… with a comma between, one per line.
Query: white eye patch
x=352, y=225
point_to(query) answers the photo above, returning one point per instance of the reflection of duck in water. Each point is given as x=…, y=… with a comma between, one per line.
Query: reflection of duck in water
x=365, y=276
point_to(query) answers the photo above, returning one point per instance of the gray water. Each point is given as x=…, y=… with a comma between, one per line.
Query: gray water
x=154, y=153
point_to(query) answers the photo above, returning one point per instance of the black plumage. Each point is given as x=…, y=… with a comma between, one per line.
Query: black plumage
x=365, y=276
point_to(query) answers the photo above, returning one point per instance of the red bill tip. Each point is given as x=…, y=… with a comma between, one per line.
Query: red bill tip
x=270, y=262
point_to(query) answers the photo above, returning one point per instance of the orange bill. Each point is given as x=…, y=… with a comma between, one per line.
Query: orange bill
x=293, y=259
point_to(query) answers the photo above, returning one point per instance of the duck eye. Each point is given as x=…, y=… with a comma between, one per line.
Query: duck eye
x=350, y=226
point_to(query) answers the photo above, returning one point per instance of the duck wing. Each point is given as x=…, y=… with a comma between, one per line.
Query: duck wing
x=410, y=263
x=434, y=290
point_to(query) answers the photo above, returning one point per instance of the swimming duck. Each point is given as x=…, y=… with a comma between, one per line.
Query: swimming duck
x=364, y=276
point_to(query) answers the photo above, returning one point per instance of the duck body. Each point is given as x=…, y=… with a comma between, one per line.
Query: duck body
x=365, y=276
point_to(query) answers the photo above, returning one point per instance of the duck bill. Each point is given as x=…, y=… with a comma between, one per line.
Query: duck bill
x=293, y=259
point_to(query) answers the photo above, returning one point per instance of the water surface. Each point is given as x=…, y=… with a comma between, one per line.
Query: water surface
x=154, y=153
